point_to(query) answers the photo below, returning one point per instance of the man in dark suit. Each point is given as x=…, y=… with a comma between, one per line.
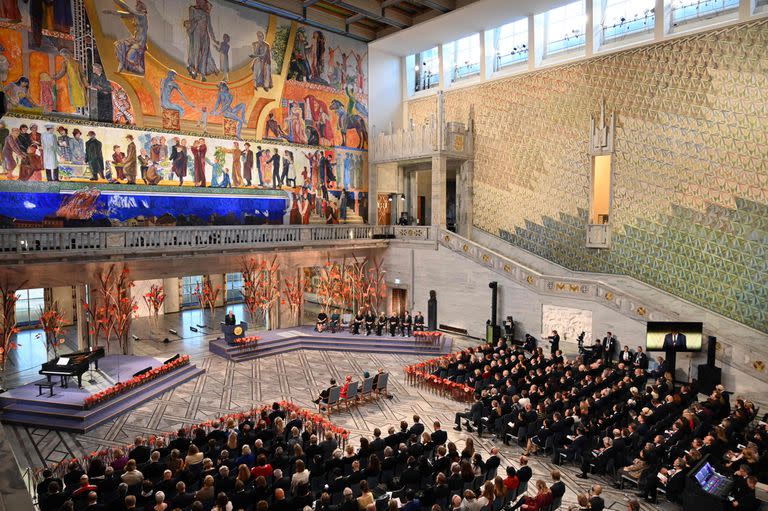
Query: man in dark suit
x=418, y=322
x=609, y=348
x=674, y=341
x=247, y=164
x=417, y=428
x=474, y=414
x=626, y=357
x=439, y=437
x=140, y=452
x=181, y=442
x=229, y=319
x=558, y=487
x=575, y=449
x=406, y=323
x=554, y=341
x=183, y=499
x=641, y=359
x=323, y=397
x=596, y=502
x=94, y=157
x=276, y=170
x=370, y=320
x=377, y=444
x=524, y=473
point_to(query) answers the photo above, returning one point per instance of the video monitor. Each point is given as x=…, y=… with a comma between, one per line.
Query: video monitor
x=673, y=336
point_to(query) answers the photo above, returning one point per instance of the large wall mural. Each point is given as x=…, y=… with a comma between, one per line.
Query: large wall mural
x=690, y=189
x=194, y=93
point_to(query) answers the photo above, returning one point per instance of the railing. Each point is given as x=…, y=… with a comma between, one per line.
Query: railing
x=423, y=142
x=117, y=240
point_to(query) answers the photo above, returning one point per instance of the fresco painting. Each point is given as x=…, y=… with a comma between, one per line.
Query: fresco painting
x=280, y=106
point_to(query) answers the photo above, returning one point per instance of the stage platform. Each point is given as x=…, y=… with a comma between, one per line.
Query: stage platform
x=304, y=337
x=65, y=411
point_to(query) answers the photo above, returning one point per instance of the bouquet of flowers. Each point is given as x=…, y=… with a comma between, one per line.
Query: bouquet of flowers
x=250, y=339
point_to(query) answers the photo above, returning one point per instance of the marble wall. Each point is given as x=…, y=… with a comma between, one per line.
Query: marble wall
x=690, y=190
x=568, y=321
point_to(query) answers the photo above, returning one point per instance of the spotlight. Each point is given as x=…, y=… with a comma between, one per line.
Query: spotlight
x=135, y=338
x=174, y=332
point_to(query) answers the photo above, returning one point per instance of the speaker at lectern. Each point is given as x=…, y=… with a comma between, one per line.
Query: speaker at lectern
x=233, y=332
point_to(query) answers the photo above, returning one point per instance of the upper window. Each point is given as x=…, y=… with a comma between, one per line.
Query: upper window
x=687, y=11
x=621, y=18
x=564, y=28
x=188, y=287
x=427, y=69
x=464, y=57
x=510, y=44
x=29, y=306
x=234, y=286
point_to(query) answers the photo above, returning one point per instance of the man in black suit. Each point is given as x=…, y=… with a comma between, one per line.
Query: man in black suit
x=596, y=502
x=674, y=341
x=405, y=326
x=323, y=397
x=357, y=322
x=530, y=343
x=370, y=320
x=281, y=503
x=417, y=428
x=641, y=359
x=418, y=322
x=626, y=357
x=558, y=487
x=609, y=348
x=439, y=437
x=94, y=157
x=554, y=342
x=474, y=414
x=229, y=319
x=524, y=473
x=140, y=451
x=377, y=444
x=181, y=442
x=183, y=499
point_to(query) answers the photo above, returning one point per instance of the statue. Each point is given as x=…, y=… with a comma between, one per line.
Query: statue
x=432, y=311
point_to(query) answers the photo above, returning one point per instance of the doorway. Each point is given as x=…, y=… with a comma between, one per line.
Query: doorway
x=399, y=301
x=384, y=209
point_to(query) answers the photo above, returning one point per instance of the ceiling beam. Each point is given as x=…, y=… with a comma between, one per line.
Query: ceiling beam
x=372, y=9
x=309, y=3
x=437, y=5
x=354, y=19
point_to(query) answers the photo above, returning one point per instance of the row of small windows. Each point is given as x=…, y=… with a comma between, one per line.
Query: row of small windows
x=559, y=31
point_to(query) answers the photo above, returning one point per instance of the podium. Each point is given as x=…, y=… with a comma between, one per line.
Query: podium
x=232, y=332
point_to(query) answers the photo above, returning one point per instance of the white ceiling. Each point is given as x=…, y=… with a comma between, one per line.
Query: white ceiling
x=475, y=17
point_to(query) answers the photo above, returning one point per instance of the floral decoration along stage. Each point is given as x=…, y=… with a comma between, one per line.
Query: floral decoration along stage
x=427, y=372
x=431, y=337
x=320, y=425
x=136, y=381
x=247, y=341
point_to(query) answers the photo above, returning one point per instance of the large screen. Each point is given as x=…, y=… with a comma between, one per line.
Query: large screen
x=673, y=335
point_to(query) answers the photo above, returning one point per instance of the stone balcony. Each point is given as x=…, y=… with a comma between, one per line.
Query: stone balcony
x=38, y=245
x=452, y=139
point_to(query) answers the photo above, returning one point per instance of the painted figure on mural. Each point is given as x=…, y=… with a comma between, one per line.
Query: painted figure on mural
x=78, y=146
x=223, y=48
x=272, y=129
x=50, y=153
x=121, y=107
x=179, y=158
x=360, y=76
x=318, y=56
x=288, y=169
x=200, y=34
x=224, y=101
x=237, y=177
x=296, y=126
x=130, y=51
x=129, y=162
x=4, y=65
x=11, y=151
x=24, y=139
x=93, y=156
x=17, y=94
x=198, y=151
x=64, y=143
x=247, y=164
x=299, y=68
x=31, y=166
x=167, y=87
x=217, y=164
x=62, y=15
x=347, y=121
x=9, y=11
x=118, y=157
x=47, y=92
x=262, y=63
x=72, y=70
x=100, y=97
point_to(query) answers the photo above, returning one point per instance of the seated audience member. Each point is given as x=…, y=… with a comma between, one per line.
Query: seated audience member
x=323, y=397
x=540, y=502
x=322, y=322
x=596, y=502
x=357, y=322
x=418, y=322
x=335, y=323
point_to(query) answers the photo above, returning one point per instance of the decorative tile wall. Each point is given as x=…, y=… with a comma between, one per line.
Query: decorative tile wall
x=690, y=182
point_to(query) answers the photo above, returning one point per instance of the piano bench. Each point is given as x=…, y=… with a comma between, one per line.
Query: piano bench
x=47, y=385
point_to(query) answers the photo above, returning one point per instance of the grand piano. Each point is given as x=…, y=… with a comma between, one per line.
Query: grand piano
x=72, y=364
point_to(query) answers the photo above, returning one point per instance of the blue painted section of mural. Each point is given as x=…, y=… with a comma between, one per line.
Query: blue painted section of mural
x=91, y=206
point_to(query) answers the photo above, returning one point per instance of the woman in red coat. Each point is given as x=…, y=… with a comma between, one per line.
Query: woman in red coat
x=541, y=501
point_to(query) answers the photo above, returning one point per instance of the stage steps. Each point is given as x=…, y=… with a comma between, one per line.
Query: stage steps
x=75, y=418
x=272, y=345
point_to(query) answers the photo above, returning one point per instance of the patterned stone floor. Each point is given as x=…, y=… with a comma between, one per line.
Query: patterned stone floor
x=298, y=376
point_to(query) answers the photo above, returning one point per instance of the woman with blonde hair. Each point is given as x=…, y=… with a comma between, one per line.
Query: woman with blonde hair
x=244, y=474
x=540, y=502
x=175, y=463
x=366, y=496
x=194, y=456
x=300, y=475
x=469, y=449
x=206, y=492
x=499, y=490
x=487, y=495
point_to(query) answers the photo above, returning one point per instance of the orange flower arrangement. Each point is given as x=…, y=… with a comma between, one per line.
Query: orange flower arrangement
x=250, y=339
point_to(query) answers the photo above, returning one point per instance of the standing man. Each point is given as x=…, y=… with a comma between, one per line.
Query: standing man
x=674, y=341
x=50, y=152
x=275, y=160
x=554, y=341
x=641, y=359
x=247, y=164
x=129, y=163
x=609, y=348
x=94, y=157
x=259, y=152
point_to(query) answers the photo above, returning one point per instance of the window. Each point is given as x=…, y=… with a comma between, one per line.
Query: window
x=621, y=18
x=464, y=57
x=601, y=190
x=564, y=28
x=234, y=285
x=510, y=44
x=427, y=69
x=29, y=306
x=188, y=287
x=686, y=11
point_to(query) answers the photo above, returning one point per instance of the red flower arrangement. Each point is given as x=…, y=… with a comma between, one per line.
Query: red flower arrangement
x=250, y=339
x=428, y=336
x=421, y=372
x=116, y=390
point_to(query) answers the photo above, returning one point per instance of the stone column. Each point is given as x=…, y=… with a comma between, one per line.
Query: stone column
x=464, y=198
x=373, y=194
x=439, y=171
x=81, y=318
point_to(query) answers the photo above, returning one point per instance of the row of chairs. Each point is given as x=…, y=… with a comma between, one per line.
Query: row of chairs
x=357, y=393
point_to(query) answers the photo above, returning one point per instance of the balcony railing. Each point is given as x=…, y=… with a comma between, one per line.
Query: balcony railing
x=40, y=243
x=417, y=142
